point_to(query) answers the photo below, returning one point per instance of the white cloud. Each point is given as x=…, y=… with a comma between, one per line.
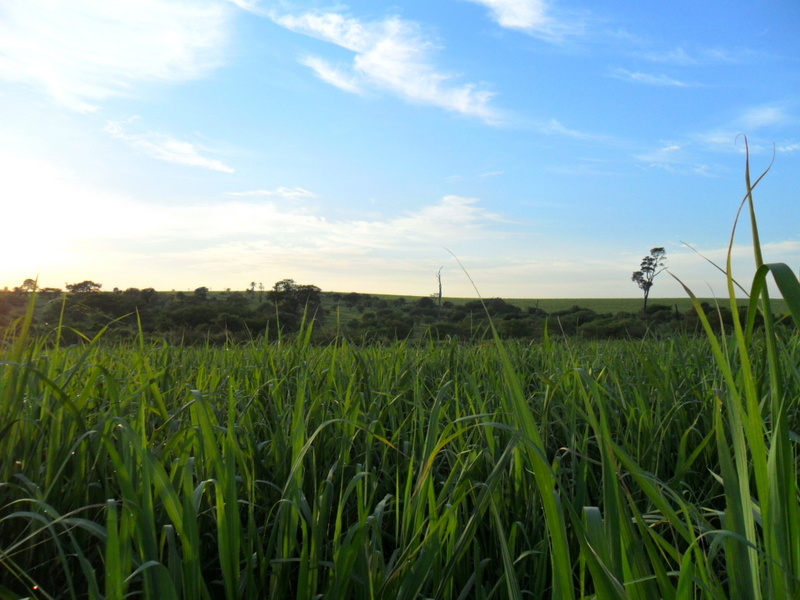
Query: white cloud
x=716, y=139
x=531, y=16
x=330, y=74
x=665, y=155
x=517, y=14
x=391, y=55
x=761, y=116
x=282, y=192
x=248, y=237
x=248, y=5
x=647, y=78
x=166, y=148
x=84, y=51
x=728, y=136
x=453, y=218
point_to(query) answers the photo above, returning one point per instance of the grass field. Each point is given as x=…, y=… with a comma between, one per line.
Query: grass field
x=566, y=469
x=440, y=471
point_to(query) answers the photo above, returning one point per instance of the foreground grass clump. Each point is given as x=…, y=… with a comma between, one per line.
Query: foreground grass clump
x=289, y=471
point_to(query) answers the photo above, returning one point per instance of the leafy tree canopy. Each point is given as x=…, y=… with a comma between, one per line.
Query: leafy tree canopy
x=84, y=287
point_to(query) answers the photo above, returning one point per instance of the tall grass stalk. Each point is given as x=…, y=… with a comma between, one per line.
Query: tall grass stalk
x=762, y=516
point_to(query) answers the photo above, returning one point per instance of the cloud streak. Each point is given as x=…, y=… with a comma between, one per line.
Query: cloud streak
x=530, y=16
x=281, y=192
x=647, y=78
x=697, y=57
x=674, y=158
x=757, y=117
x=681, y=156
x=749, y=121
x=391, y=55
x=85, y=51
x=556, y=128
x=166, y=148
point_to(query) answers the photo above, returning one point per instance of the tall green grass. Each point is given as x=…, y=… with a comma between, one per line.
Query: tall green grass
x=566, y=469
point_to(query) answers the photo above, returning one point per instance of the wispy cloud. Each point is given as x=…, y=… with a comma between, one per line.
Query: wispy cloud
x=281, y=192
x=675, y=158
x=288, y=228
x=555, y=127
x=248, y=5
x=531, y=16
x=84, y=51
x=749, y=121
x=452, y=218
x=336, y=77
x=781, y=251
x=690, y=153
x=665, y=154
x=757, y=117
x=697, y=56
x=166, y=148
x=392, y=55
x=647, y=78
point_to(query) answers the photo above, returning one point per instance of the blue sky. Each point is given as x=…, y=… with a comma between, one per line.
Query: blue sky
x=355, y=146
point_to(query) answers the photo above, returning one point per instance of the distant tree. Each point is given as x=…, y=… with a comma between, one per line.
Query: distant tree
x=291, y=298
x=148, y=295
x=238, y=300
x=28, y=285
x=282, y=293
x=652, y=265
x=498, y=306
x=352, y=299
x=426, y=302
x=84, y=287
x=309, y=298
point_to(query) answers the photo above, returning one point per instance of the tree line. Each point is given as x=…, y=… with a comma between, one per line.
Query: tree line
x=200, y=316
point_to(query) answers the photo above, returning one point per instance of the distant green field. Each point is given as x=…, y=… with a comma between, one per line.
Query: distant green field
x=549, y=305
x=615, y=305
x=599, y=305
